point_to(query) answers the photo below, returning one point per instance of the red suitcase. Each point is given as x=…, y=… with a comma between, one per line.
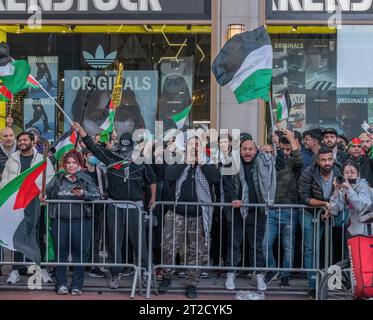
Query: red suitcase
x=361, y=257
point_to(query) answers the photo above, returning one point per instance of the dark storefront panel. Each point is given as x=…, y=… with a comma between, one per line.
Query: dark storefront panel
x=171, y=84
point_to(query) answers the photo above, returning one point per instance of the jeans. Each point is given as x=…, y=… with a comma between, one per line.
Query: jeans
x=281, y=223
x=309, y=227
x=79, y=244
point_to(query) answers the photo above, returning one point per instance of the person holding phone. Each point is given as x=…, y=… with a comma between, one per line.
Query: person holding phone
x=352, y=194
x=71, y=223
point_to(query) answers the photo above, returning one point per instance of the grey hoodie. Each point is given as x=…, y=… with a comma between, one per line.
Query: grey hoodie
x=359, y=203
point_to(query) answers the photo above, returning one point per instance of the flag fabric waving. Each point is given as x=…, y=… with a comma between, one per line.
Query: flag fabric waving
x=245, y=64
x=181, y=117
x=14, y=75
x=19, y=230
x=65, y=143
x=108, y=125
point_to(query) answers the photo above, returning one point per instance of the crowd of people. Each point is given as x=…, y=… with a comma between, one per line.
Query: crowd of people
x=317, y=168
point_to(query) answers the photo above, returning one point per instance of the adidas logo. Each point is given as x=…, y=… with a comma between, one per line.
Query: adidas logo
x=100, y=61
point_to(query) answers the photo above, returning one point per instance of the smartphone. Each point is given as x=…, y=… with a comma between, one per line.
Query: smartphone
x=367, y=128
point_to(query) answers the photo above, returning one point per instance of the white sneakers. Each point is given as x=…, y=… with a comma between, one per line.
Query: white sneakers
x=260, y=284
x=231, y=285
x=230, y=281
x=13, y=277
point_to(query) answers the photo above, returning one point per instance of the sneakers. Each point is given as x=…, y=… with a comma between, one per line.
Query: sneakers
x=270, y=276
x=260, y=284
x=95, y=272
x=230, y=281
x=191, y=292
x=127, y=272
x=46, y=278
x=62, y=290
x=14, y=277
x=204, y=275
x=164, y=285
x=284, y=282
x=76, y=292
x=114, y=281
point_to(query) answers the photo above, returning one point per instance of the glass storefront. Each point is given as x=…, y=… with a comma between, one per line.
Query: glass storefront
x=166, y=69
x=326, y=75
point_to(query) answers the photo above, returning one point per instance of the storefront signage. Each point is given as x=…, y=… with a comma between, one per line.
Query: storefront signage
x=318, y=9
x=106, y=9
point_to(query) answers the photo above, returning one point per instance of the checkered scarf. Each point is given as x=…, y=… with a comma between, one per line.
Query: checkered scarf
x=204, y=196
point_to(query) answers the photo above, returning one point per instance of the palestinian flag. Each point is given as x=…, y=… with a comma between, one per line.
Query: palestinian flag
x=108, y=125
x=245, y=64
x=65, y=144
x=181, y=117
x=18, y=213
x=14, y=75
x=282, y=109
x=31, y=82
x=5, y=94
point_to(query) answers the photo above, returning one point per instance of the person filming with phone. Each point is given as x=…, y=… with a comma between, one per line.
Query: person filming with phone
x=352, y=195
x=71, y=223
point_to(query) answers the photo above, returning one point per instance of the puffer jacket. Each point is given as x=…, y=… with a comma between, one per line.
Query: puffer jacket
x=13, y=168
x=358, y=201
x=59, y=188
x=310, y=183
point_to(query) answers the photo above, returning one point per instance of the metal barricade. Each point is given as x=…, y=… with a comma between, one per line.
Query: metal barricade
x=254, y=225
x=73, y=229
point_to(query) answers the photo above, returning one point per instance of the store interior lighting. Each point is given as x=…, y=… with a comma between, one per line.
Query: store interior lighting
x=234, y=29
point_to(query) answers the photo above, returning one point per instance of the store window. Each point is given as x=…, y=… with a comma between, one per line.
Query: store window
x=326, y=75
x=167, y=69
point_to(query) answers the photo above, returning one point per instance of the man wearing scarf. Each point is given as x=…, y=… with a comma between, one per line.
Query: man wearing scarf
x=189, y=225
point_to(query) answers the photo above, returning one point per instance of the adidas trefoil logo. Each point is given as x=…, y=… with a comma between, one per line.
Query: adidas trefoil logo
x=100, y=61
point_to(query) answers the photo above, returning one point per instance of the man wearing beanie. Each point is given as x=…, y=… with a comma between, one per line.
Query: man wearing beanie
x=125, y=183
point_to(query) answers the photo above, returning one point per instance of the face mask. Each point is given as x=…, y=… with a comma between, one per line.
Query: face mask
x=93, y=161
x=352, y=181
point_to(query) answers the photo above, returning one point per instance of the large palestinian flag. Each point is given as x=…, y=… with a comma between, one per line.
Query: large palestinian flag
x=245, y=64
x=19, y=213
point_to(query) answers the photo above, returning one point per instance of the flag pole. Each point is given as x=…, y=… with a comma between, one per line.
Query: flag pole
x=50, y=97
x=271, y=112
x=56, y=103
x=44, y=179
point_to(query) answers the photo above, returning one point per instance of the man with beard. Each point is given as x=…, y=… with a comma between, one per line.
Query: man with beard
x=355, y=151
x=360, y=151
x=315, y=189
x=366, y=143
x=18, y=162
x=330, y=137
x=126, y=181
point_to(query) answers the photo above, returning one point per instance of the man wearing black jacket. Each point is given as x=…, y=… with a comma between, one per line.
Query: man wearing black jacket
x=247, y=188
x=189, y=182
x=125, y=183
x=315, y=189
x=330, y=137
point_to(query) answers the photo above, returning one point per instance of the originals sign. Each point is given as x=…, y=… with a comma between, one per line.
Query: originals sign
x=320, y=10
